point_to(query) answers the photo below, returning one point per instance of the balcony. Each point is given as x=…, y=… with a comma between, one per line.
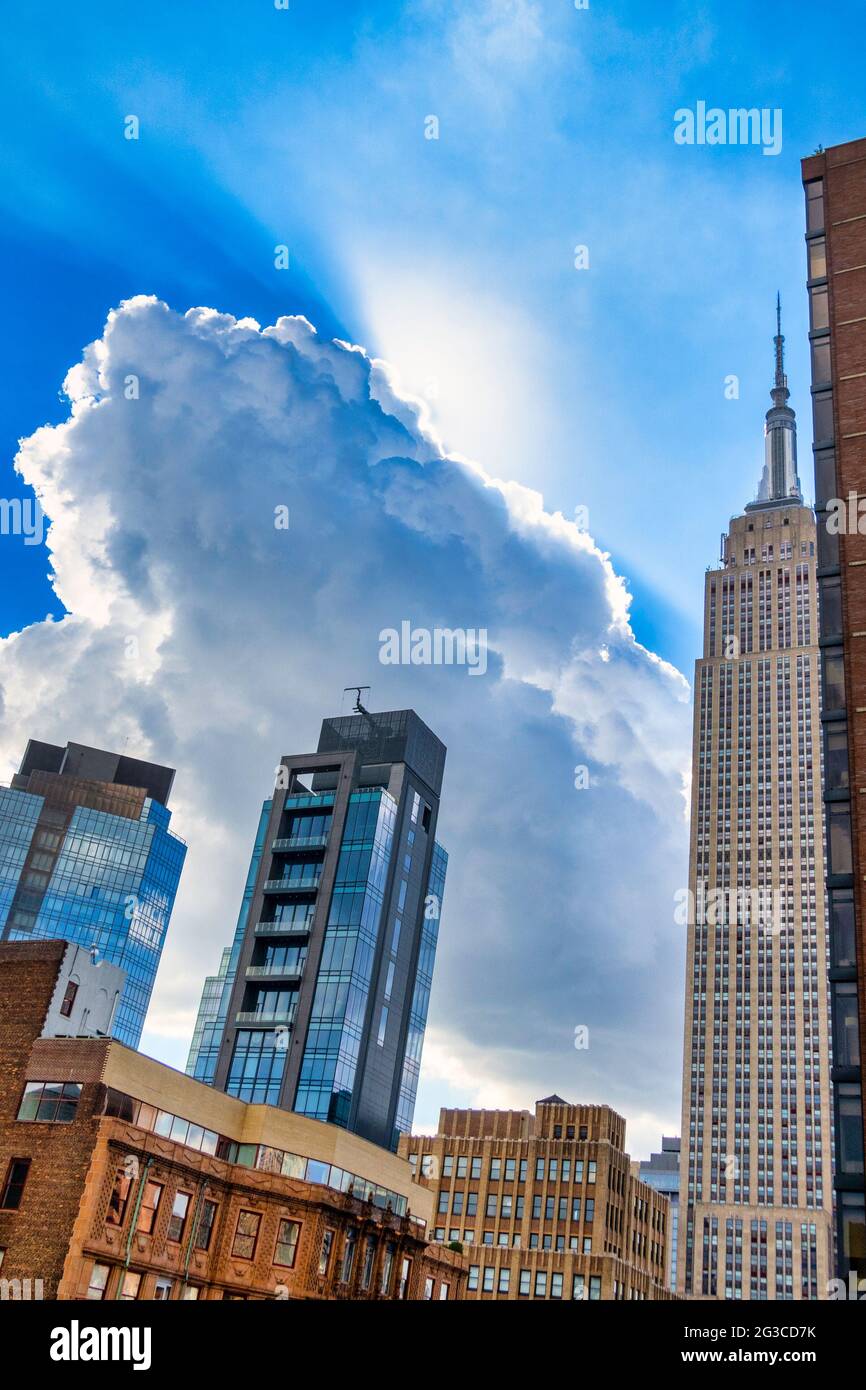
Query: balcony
x=283, y=928
x=275, y=972
x=299, y=842
x=246, y=1017
x=293, y=885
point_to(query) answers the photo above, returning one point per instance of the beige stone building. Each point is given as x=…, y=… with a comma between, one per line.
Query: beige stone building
x=756, y=1172
x=545, y=1205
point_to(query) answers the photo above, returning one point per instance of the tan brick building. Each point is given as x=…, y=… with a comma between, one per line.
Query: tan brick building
x=122, y=1178
x=835, y=186
x=755, y=1181
x=546, y=1205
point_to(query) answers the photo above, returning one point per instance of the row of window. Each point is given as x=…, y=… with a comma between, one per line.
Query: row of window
x=489, y=1280
x=244, y=1248
x=506, y=1207
x=511, y=1169
x=505, y=1239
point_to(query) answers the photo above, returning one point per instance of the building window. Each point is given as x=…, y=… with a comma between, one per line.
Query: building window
x=525, y=1282
x=444, y=1290
x=130, y=1286
x=369, y=1259
x=405, y=1275
x=54, y=1102
x=119, y=1198
x=13, y=1186
x=190, y=1293
x=162, y=1290
x=246, y=1235
x=504, y=1279
x=540, y=1283
x=205, y=1225
x=69, y=999
x=149, y=1208
x=383, y=1026
x=556, y=1286
x=472, y=1283
x=387, y=1269
x=349, y=1248
x=288, y=1235
x=578, y=1287
x=428, y=1287
x=325, y=1253
x=179, y=1209
x=489, y=1276
x=595, y=1287
x=98, y=1281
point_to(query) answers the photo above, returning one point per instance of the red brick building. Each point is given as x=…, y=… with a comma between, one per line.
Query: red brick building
x=835, y=186
x=121, y=1178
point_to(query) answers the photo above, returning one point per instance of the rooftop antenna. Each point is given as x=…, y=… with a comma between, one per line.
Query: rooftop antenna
x=358, y=707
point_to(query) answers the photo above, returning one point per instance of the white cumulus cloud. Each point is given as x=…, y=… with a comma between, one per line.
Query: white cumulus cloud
x=200, y=634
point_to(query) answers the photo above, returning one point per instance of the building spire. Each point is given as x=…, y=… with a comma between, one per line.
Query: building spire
x=780, y=392
x=779, y=483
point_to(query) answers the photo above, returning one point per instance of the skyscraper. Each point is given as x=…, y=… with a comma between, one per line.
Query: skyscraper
x=835, y=184
x=328, y=985
x=86, y=854
x=662, y=1171
x=217, y=991
x=755, y=1219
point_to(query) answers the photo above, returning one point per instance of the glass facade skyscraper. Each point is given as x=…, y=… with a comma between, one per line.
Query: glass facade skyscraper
x=213, y=1007
x=662, y=1171
x=86, y=854
x=321, y=1006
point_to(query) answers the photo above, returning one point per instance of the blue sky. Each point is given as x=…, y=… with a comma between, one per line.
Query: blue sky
x=305, y=127
x=452, y=259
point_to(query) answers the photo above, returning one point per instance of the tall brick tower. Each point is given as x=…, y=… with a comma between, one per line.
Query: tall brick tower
x=756, y=1182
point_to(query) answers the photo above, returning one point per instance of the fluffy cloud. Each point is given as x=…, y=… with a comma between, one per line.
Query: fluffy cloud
x=202, y=635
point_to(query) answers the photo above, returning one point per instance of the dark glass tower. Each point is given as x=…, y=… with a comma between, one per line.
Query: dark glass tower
x=86, y=854
x=324, y=999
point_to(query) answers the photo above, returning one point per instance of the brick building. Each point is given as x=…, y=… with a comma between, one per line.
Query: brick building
x=122, y=1178
x=545, y=1205
x=835, y=187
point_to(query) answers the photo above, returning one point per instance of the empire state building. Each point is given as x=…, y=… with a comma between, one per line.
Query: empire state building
x=756, y=1176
